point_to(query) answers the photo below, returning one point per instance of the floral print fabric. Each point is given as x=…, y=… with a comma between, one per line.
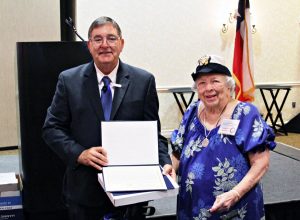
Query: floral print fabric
x=206, y=172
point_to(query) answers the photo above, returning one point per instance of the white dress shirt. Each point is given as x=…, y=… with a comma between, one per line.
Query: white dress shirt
x=112, y=76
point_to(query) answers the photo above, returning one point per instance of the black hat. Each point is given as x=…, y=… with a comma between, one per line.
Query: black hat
x=210, y=64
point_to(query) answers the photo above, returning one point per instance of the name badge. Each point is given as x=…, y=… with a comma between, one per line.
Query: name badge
x=229, y=126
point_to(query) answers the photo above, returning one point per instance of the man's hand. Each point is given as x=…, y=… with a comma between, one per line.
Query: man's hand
x=168, y=169
x=94, y=156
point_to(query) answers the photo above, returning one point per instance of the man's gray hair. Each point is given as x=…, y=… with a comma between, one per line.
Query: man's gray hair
x=102, y=21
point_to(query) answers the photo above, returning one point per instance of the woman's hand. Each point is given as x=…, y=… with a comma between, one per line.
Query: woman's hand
x=225, y=201
x=259, y=163
x=168, y=169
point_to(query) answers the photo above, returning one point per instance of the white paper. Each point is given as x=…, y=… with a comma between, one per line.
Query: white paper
x=8, y=178
x=133, y=178
x=130, y=142
x=8, y=182
x=10, y=193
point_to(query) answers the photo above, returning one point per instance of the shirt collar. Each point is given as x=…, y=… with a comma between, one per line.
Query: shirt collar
x=112, y=75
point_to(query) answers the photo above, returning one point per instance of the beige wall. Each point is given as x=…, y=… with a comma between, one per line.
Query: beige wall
x=162, y=36
x=167, y=38
x=277, y=49
x=20, y=20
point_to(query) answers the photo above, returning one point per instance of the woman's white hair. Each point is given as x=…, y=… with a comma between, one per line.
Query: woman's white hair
x=230, y=83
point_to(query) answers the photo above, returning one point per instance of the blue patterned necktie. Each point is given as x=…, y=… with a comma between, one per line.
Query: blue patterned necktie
x=106, y=97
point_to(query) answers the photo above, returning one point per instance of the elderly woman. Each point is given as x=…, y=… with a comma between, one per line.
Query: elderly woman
x=221, y=150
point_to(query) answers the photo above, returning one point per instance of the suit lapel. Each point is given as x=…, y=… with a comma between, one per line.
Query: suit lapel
x=123, y=79
x=92, y=90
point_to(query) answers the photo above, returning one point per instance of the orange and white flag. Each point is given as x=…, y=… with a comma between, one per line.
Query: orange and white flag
x=243, y=57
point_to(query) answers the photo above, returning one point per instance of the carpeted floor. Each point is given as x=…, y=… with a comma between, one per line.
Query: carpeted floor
x=292, y=139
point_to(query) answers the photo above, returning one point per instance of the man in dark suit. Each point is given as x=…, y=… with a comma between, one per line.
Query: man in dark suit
x=73, y=124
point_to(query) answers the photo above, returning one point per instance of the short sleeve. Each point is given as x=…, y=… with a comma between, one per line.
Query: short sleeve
x=178, y=135
x=253, y=133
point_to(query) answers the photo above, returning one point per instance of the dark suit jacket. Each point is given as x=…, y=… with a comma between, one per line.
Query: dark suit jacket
x=73, y=122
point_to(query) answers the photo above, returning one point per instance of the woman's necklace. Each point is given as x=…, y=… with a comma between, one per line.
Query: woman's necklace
x=205, y=141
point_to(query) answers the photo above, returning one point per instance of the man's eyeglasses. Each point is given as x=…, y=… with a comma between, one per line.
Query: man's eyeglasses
x=111, y=40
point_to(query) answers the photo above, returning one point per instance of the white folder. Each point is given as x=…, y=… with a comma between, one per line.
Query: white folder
x=132, y=151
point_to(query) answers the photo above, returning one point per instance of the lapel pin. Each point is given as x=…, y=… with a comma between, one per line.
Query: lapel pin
x=116, y=85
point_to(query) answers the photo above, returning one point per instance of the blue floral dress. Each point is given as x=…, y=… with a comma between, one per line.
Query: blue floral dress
x=206, y=172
